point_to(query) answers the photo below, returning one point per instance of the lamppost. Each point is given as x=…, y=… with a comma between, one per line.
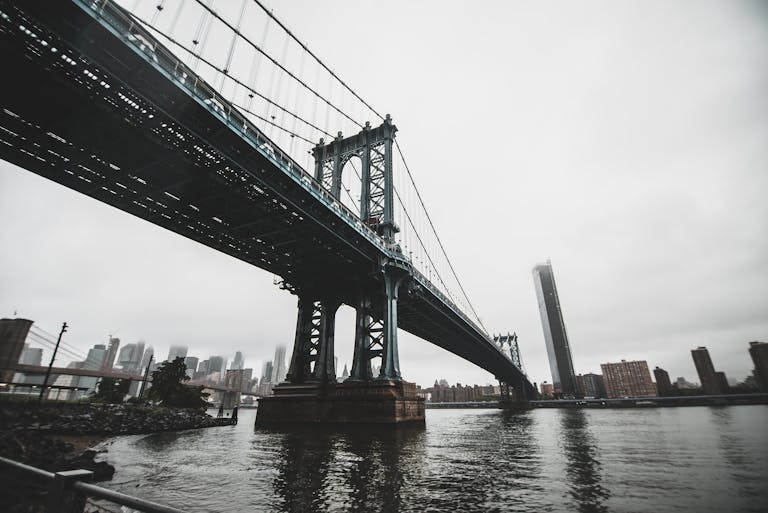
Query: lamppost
x=53, y=357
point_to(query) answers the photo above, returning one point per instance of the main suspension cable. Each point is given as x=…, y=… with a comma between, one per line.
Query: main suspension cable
x=310, y=52
x=272, y=59
x=233, y=78
x=429, y=218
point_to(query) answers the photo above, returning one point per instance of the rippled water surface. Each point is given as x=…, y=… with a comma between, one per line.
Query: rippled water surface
x=694, y=459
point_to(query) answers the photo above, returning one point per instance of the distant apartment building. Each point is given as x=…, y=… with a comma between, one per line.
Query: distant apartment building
x=247, y=379
x=712, y=382
x=129, y=357
x=202, y=369
x=628, y=379
x=278, y=366
x=547, y=389
x=238, y=362
x=93, y=361
x=663, y=383
x=149, y=354
x=109, y=359
x=191, y=363
x=234, y=380
x=759, y=353
x=458, y=393
x=555, y=337
x=217, y=364
x=13, y=333
x=590, y=385
x=177, y=351
x=30, y=356
x=266, y=373
x=684, y=384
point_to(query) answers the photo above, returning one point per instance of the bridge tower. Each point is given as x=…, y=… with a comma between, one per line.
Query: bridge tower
x=385, y=397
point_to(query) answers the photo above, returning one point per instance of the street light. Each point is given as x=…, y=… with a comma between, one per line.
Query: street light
x=53, y=357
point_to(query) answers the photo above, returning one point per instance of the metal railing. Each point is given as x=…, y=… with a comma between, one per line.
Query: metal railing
x=69, y=490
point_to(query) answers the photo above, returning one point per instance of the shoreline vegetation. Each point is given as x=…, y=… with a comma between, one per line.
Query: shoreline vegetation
x=57, y=436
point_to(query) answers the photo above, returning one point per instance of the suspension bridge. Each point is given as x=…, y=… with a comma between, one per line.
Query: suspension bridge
x=215, y=121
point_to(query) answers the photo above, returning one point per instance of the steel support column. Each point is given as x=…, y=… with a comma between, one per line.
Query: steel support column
x=369, y=334
x=376, y=329
x=325, y=365
x=312, y=359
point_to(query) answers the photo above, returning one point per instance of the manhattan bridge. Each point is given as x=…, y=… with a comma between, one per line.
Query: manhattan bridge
x=210, y=118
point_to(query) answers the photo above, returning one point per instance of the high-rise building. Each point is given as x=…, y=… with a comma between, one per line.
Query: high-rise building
x=590, y=385
x=13, y=333
x=547, y=390
x=30, y=356
x=663, y=383
x=149, y=354
x=93, y=361
x=217, y=364
x=278, y=365
x=558, y=349
x=233, y=379
x=628, y=379
x=177, y=352
x=712, y=382
x=191, y=363
x=238, y=362
x=129, y=357
x=95, y=357
x=759, y=353
x=266, y=373
x=109, y=359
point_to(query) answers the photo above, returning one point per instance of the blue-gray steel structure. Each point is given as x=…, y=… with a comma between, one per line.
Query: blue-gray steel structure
x=98, y=105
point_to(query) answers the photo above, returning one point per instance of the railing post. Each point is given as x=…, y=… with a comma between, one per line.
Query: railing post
x=62, y=495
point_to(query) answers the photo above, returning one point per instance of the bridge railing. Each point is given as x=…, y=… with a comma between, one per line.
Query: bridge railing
x=69, y=491
x=127, y=28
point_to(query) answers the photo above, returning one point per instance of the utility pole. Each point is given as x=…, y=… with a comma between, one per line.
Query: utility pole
x=53, y=357
x=146, y=373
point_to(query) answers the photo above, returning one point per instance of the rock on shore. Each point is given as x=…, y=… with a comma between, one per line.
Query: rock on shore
x=100, y=419
x=43, y=434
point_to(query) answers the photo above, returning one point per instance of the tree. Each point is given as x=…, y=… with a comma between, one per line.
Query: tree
x=168, y=387
x=112, y=390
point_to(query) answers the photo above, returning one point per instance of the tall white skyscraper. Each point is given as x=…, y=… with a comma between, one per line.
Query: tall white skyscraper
x=278, y=365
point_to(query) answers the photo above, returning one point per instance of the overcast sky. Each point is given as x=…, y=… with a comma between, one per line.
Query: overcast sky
x=625, y=141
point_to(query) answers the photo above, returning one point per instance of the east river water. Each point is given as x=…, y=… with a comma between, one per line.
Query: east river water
x=695, y=459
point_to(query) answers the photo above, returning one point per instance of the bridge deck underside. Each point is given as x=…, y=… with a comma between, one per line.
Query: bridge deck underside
x=146, y=146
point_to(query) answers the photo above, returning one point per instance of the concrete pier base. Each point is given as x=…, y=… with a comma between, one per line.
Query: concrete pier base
x=373, y=402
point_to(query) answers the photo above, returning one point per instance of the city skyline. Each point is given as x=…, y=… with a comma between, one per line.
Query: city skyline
x=239, y=361
x=640, y=178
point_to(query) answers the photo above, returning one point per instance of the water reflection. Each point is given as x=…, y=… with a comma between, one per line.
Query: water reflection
x=354, y=469
x=382, y=458
x=583, y=469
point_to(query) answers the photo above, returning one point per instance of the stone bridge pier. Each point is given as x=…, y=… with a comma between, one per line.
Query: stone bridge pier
x=311, y=392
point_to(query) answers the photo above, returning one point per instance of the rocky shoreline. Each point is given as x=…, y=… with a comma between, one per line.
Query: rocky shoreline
x=62, y=436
